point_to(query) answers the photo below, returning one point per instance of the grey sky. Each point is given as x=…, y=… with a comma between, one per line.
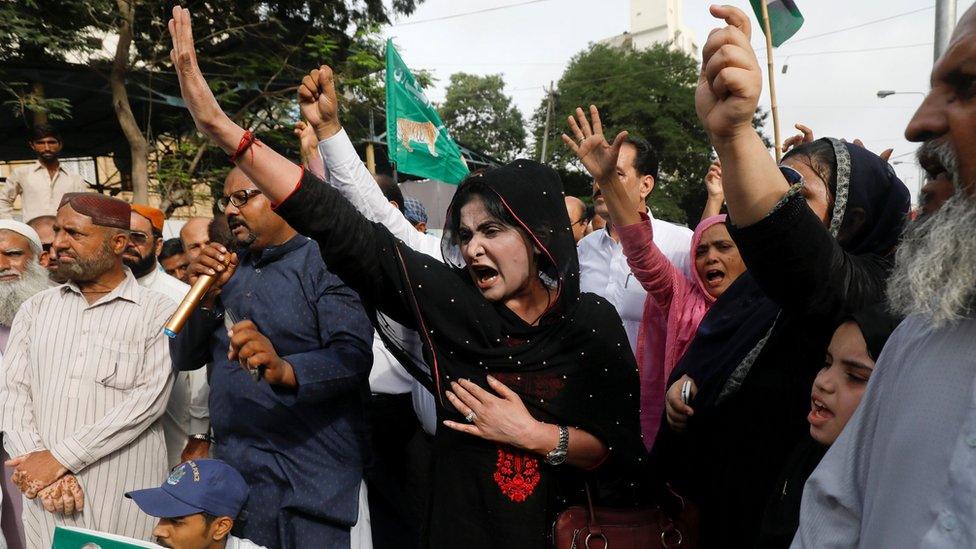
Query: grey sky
x=834, y=93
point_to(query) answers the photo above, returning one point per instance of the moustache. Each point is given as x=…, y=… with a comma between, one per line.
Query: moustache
x=233, y=223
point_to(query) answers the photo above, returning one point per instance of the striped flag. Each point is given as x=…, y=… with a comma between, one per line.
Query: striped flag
x=784, y=18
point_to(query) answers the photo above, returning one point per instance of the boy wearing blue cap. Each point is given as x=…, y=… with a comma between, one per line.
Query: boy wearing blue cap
x=197, y=506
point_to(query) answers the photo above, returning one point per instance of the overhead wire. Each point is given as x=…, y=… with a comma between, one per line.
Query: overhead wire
x=467, y=13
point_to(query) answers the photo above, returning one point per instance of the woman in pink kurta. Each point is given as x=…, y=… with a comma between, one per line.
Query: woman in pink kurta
x=681, y=300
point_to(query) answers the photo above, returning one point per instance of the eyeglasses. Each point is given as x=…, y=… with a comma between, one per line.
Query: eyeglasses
x=238, y=199
x=139, y=238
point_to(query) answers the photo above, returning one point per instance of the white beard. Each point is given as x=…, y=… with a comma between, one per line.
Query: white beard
x=13, y=294
x=935, y=265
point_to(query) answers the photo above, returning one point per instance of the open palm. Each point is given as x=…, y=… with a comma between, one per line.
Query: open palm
x=199, y=99
x=597, y=155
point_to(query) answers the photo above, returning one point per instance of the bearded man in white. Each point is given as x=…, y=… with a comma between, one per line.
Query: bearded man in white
x=903, y=472
x=22, y=274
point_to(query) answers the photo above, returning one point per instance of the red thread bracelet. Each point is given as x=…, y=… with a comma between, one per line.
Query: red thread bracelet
x=247, y=140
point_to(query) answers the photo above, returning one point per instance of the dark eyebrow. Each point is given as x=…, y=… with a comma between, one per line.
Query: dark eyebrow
x=856, y=364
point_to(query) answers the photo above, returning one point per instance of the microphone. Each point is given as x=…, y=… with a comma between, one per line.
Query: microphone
x=189, y=304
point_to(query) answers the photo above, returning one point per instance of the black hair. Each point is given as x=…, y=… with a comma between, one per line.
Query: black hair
x=645, y=161
x=476, y=187
x=219, y=231
x=208, y=519
x=589, y=213
x=40, y=131
x=819, y=155
x=390, y=189
x=171, y=247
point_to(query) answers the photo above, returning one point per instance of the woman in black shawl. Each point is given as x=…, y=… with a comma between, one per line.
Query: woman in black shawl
x=817, y=238
x=519, y=359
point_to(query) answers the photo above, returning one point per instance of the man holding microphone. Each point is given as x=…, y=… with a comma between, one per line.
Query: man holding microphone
x=289, y=345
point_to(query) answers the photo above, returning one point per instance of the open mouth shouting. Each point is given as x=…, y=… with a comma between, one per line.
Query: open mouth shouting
x=483, y=276
x=819, y=414
x=714, y=277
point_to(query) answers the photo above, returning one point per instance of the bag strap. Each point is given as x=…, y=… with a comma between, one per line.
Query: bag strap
x=592, y=525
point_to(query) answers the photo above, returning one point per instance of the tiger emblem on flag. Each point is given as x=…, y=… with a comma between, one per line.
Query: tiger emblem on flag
x=419, y=132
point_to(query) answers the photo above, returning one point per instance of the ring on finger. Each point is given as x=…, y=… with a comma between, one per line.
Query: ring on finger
x=470, y=417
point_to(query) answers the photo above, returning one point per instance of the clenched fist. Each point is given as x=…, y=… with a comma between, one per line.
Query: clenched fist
x=317, y=100
x=731, y=80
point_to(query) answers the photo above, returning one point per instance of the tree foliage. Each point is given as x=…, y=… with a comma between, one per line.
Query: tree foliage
x=651, y=94
x=254, y=53
x=482, y=117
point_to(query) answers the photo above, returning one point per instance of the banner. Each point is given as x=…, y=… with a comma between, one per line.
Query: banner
x=784, y=18
x=416, y=138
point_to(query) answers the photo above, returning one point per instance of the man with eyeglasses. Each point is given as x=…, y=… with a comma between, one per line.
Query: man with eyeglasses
x=42, y=184
x=288, y=411
x=577, y=217
x=186, y=424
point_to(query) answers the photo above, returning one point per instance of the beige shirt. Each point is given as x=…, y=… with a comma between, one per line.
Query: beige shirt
x=90, y=383
x=40, y=194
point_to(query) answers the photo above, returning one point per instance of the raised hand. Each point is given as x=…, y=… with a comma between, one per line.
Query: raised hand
x=307, y=140
x=318, y=102
x=805, y=136
x=713, y=180
x=884, y=155
x=731, y=80
x=597, y=155
x=199, y=99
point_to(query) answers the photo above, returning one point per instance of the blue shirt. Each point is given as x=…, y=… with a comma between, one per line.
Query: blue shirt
x=300, y=450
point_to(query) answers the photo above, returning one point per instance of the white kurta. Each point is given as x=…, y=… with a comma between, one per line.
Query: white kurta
x=187, y=412
x=89, y=383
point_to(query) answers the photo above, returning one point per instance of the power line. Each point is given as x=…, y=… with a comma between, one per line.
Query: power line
x=467, y=13
x=858, y=26
x=860, y=50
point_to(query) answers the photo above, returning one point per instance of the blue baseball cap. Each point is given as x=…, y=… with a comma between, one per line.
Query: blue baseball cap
x=195, y=486
x=414, y=210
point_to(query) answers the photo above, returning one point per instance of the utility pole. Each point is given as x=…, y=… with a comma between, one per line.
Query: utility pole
x=545, y=133
x=945, y=21
x=370, y=153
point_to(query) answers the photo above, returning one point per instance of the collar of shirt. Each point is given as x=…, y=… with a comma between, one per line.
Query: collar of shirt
x=128, y=290
x=39, y=166
x=147, y=280
x=274, y=253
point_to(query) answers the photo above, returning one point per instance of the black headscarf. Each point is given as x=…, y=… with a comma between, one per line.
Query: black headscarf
x=876, y=325
x=870, y=204
x=574, y=366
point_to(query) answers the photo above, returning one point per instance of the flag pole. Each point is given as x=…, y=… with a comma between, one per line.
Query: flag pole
x=772, y=79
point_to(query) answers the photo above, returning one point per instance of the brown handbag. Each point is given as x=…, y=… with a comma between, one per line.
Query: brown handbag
x=669, y=525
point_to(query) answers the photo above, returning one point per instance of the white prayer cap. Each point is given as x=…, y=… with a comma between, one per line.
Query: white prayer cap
x=22, y=229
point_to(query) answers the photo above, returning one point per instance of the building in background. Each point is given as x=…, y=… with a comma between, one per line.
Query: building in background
x=653, y=21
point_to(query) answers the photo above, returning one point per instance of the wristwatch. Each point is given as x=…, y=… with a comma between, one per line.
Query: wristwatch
x=558, y=454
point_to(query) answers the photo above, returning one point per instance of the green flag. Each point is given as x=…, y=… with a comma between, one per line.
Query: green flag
x=784, y=18
x=415, y=136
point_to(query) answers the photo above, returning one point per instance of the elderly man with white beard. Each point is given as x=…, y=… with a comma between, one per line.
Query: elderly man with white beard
x=903, y=472
x=21, y=276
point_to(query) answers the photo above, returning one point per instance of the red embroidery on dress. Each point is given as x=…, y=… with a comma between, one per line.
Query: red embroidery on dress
x=517, y=474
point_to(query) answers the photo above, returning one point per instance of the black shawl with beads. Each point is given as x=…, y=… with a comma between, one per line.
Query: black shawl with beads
x=574, y=367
